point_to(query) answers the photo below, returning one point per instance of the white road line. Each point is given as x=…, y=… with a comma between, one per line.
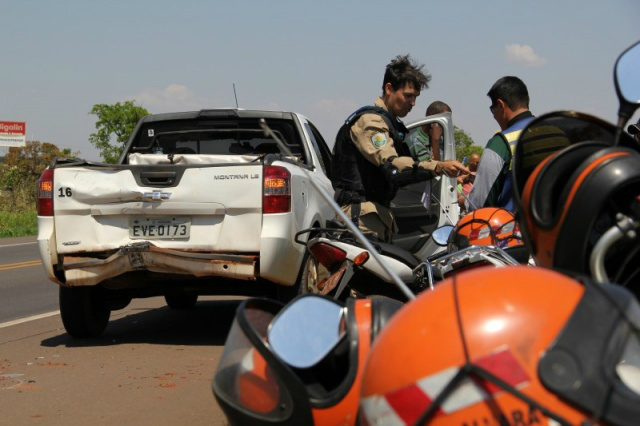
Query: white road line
x=27, y=319
x=18, y=244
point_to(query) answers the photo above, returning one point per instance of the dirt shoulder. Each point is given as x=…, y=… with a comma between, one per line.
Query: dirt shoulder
x=153, y=365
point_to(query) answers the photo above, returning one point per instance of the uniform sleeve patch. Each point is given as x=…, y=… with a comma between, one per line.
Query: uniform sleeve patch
x=379, y=140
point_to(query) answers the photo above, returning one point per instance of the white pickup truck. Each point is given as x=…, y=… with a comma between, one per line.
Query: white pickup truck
x=199, y=203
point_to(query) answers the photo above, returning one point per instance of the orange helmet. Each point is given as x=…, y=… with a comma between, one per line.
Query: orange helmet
x=489, y=226
x=498, y=346
x=254, y=385
x=570, y=184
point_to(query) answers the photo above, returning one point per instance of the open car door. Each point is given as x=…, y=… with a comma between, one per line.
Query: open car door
x=417, y=219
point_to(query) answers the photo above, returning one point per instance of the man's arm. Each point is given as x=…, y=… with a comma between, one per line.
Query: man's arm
x=488, y=171
x=370, y=135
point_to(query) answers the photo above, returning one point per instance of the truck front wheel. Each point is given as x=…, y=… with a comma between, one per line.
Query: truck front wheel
x=82, y=312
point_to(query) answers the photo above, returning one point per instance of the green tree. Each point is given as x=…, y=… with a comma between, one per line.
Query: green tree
x=117, y=122
x=464, y=144
x=20, y=171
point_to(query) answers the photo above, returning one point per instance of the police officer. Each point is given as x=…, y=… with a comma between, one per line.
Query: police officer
x=370, y=160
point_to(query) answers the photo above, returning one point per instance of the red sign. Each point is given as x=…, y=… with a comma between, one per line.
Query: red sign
x=13, y=128
x=13, y=133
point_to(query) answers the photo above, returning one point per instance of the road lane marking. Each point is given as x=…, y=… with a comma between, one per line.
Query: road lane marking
x=27, y=319
x=17, y=244
x=20, y=265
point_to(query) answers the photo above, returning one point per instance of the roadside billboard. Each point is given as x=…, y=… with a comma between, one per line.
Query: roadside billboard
x=13, y=133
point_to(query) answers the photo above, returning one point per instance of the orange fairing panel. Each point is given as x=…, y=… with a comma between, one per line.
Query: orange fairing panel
x=508, y=317
x=544, y=239
x=345, y=412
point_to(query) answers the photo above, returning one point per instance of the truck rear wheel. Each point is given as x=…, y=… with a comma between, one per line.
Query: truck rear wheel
x=312, y=274
x=181, y=300
x=83, y=314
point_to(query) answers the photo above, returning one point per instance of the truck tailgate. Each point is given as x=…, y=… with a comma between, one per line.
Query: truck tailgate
x=217, y=208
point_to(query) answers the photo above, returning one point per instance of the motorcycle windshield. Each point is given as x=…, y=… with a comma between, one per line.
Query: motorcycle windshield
x=244, y=379
x=551, y=133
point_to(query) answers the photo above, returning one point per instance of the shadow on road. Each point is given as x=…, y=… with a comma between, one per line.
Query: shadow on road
x=207, y=323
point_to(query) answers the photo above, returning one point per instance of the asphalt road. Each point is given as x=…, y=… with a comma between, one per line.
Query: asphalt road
x=153, y=365
x=24, y=287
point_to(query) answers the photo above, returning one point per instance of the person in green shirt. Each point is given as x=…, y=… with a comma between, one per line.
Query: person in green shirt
x=424, y=143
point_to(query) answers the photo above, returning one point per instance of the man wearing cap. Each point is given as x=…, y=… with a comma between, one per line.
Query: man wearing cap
x=634, y=130
x=370, y=160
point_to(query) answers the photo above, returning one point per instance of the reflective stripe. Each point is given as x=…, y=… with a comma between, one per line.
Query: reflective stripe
x=404, y=406
x=408, y=403
x=466, y=394
x=505, y=366
x=377, y=411
x=512, y=133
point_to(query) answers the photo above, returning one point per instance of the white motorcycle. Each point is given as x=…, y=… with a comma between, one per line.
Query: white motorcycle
x=345, y=266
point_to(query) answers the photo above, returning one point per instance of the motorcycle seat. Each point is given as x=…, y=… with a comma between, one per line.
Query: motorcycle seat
x=385, y=249
x=397, y=253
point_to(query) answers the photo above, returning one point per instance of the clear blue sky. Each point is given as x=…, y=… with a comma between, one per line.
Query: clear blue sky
x=323, y=59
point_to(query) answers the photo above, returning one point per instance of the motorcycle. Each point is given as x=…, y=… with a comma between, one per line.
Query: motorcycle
x=342, y=266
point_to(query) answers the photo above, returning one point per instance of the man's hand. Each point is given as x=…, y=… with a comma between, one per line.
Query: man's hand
x=453, y=168
x=461, y=201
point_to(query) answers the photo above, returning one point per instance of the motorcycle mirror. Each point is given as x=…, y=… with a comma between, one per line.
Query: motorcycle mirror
x=627, y=82
x=306, y=330
x=441, y=235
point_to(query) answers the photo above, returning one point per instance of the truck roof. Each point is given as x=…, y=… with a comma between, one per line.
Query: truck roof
x=218, y=113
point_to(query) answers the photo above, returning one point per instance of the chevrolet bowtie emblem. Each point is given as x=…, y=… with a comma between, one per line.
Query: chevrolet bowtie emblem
x=156, y=196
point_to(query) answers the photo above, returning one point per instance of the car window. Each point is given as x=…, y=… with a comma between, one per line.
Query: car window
x=238, y=136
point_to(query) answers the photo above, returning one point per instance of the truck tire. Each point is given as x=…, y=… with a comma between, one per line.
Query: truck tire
x=180, y=301
x=83, y=315
x=312, y=274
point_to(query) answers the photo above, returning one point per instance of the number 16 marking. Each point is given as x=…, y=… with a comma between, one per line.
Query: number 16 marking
x=65, y=192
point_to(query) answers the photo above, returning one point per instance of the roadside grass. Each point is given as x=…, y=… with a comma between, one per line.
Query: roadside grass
x=18, y=224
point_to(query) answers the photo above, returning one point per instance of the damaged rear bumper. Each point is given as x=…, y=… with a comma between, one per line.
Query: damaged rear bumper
x=87, y=271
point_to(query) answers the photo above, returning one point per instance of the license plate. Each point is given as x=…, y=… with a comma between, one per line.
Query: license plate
x=329, y=283
x=159, y=227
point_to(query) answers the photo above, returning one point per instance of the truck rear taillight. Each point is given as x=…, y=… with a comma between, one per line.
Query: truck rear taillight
x=327, y=254
x=45, y=193
x=276, y=194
